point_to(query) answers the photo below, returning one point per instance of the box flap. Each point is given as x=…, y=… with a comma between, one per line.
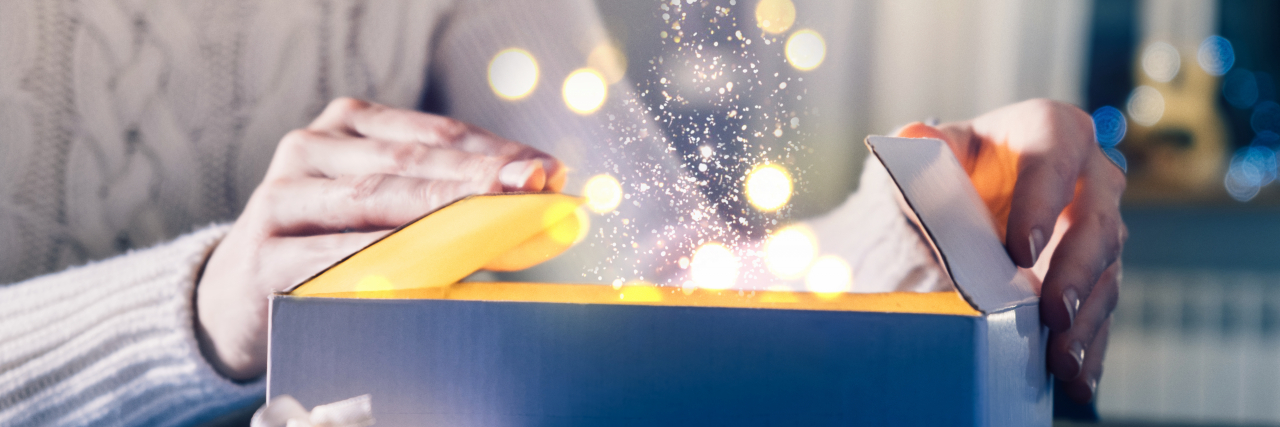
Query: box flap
x=941, y=199
x=496, y=231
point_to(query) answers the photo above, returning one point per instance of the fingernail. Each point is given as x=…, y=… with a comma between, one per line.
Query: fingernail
x=1077, y=352
x=526, y=175
x=1093, y=386
x=1070, y=301
x=1036, y=239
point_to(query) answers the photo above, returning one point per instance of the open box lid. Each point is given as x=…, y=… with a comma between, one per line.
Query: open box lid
x=507, y=232
x=500, y=232
x=943, y=202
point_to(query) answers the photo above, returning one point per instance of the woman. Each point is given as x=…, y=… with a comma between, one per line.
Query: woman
x=129, y=125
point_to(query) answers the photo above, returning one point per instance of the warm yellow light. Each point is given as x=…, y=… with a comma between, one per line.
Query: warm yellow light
x=789, y=251
x=513, y=73
x=775, y=16
x=829, y=276
x=806, y=50
x=585, y=91
x=373, y=286
x=603, y=193
x=610, y=60
x=768, y=187
x=562, y=229
x=714, y=267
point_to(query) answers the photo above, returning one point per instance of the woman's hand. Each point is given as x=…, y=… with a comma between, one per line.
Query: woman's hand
x=357, y=171
x=1038, y=168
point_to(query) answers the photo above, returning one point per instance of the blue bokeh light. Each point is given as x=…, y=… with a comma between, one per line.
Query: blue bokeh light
x=1267, y=139
x=1240, y=87
x=1251, y=168
x=1116, y=157
x=1216, y=56
x=1266, y=117
x=1109, y=126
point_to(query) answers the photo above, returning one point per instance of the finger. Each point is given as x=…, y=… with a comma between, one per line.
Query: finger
x=1052, y=151
x=1069, y=351
x=1093, y=241
x=315, y=205
x=360, y=118
x=958, y=136
x=1084, y=388
x=333, y=156
x=309, y=255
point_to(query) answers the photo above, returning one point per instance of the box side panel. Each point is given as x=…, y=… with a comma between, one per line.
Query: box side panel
x=1017, y=389
x=463, y=363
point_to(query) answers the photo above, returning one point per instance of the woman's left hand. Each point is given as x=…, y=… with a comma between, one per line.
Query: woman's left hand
x=1040, y=171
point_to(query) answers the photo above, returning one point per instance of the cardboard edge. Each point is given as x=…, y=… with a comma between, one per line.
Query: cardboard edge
x=915, y=218
x=405, y=225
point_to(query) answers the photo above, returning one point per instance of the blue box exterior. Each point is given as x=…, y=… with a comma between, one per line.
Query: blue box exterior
x=464, y=363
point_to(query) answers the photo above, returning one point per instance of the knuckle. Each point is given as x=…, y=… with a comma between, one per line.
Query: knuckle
x=363, y=188
x=449, y=130
x=296, y=138
x=346, y=104
x=407, y=157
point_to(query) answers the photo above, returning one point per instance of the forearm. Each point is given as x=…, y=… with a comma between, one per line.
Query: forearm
x=112, y=342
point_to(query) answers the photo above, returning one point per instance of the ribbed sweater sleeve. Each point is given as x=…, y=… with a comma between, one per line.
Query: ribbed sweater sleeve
x=112, y=343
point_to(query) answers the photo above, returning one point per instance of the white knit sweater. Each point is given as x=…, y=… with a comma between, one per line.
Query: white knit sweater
x=125, y=124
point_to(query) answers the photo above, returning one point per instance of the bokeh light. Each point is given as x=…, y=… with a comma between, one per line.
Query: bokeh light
x=1116, y=157
x=1108, y=126
x=1240, y=88
x=829, y=276
x=1251, y=168
x=1216, y=56
x=1146, y=105
x=585, y=91
x=610, y=60
x=790, y=251
x=714, y=267
x=513, y=73
x=603, y=193
x=768, y=187
x=805, y=50
x=1266, y=117
x=1161, y=61
x=775, y=16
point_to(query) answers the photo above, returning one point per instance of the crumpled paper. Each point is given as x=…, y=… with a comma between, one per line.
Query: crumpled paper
x=285, y=411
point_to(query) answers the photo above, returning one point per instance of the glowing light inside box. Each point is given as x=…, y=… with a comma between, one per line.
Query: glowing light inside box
x=769, y=187
x=790, y=251
x=829, y=277
x=513, y=73
x=585, y=91
x=805, y=50
x=603, y=193
x=775, y=16
x=714, y=267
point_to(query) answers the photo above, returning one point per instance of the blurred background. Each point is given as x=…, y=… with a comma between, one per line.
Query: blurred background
x=1183, y=94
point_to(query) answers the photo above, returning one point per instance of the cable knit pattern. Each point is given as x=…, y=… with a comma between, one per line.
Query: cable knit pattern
x=111, y=343
x=127, y=122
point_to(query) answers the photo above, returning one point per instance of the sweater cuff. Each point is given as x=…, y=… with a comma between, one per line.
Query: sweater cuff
x=113, y=342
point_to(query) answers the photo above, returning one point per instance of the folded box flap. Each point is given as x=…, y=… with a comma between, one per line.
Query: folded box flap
x=957, y=224
x=495, y=231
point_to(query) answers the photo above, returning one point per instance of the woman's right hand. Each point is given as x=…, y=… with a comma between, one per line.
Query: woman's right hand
x=359, y=170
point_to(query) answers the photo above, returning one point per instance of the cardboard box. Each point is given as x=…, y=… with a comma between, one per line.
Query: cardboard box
x=489, y=354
